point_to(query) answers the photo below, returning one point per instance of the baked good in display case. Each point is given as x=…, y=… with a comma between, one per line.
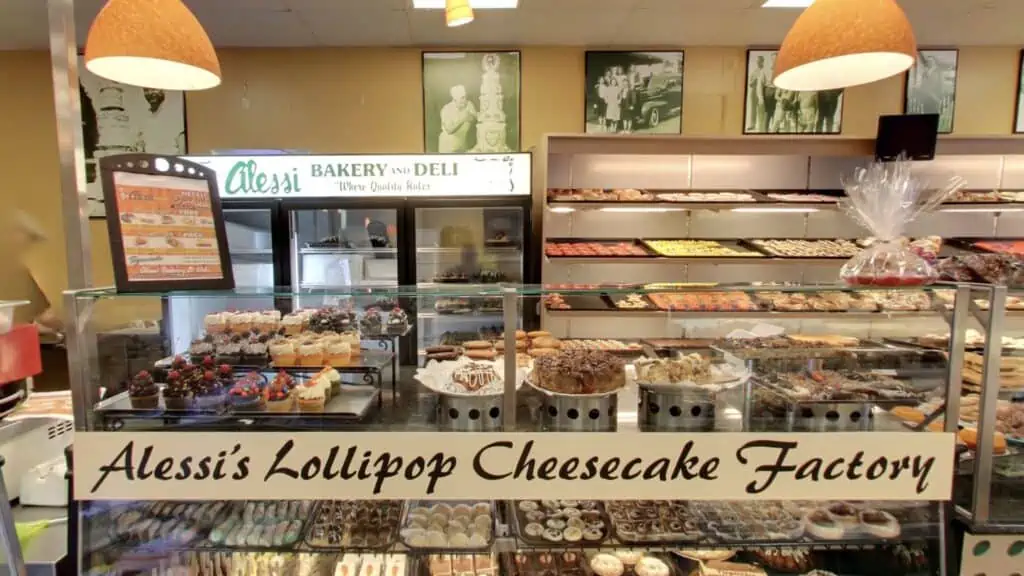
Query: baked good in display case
x=465, y=377
x=1014, y=247
x=579, y=372
x=561, y=522
x=594, y=249
x=825, y=301
x=467, y=525
x=462, y=565
x=599, y=195
x=354, y=524
x=703, y=301
x=800, y=248
x=799, y=197
x=606, y=344
x=143, y=392
x=697, y=249
x=839, y=386
x=706, y=197
x=530, y=563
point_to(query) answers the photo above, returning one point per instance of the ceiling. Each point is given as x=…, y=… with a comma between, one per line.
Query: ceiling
x=270, y=23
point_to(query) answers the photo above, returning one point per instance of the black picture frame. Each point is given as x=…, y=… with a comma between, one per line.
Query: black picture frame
x=1017, y=110
x=587, y=63
x=176, y=167
x=746, y=95
x=519, y=100
x=956, y=84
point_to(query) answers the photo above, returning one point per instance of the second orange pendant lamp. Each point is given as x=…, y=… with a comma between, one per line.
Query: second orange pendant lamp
x=151, y=43
x=842, y=43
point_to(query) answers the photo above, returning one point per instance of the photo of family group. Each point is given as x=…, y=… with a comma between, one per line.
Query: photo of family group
x=634, y=92
x=771, y=110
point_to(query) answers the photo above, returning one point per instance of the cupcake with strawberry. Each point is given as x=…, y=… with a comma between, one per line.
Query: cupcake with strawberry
x=177, y=394
x=246, y=395
x=143, y=392
x=209, y=392
x=278, y=394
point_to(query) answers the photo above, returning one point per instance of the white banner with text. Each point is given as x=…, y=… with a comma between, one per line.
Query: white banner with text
x=368, y=176
x=600, y=466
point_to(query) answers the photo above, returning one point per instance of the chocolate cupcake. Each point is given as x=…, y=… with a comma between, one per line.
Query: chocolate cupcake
x=209, y=393
x=143, y=392
x=254, y=352
x=177, y=394
x=202, y=347
x=398, y=321
x=230, y=352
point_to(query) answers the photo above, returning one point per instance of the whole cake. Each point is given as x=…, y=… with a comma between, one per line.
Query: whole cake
x=475, y=376
x=580, y=372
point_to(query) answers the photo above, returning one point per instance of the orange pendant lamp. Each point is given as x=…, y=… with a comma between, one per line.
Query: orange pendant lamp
x=842, y=43
x=151, y=43
x=457, y=13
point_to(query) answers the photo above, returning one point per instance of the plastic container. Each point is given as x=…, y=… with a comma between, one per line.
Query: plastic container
x=7, y=314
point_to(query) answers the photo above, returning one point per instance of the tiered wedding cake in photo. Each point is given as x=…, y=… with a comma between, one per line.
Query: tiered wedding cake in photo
x=490, y=127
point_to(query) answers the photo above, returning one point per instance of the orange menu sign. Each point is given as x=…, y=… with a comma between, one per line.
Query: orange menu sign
x=167, y=228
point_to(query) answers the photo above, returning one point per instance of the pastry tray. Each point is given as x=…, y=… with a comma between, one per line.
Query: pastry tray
x=613, y=299
x=743, y=353
x=794, y=404
x=588, y=302
x=633, y=241
x=392, y=535
x=520, y=522
x=724, y=242
x=680, y=344
x=750, y=245
x=528, y=563
x=624, y=352
x=410, y=509
x=971, y=243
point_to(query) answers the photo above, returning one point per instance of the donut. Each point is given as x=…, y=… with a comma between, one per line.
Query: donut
x=606, y=565
x=820, y=524
x=879, y=523
x=650, y=566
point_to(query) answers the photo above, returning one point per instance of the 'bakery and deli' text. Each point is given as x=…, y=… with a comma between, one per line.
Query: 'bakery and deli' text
x=762, y=463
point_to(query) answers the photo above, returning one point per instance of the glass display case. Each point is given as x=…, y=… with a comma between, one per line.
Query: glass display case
x=754, y=375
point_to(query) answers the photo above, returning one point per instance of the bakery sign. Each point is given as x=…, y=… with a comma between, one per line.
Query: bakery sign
x=415, y=465
x=359, y=176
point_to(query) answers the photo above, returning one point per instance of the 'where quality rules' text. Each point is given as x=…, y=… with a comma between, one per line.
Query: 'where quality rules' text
x=761, y=462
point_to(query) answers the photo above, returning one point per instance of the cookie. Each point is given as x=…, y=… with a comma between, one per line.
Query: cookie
x=477, y=345
x=481, y=354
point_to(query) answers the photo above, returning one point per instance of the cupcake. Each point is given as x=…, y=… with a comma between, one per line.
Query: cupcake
x=311, y=354
x=355, y=341
x=178, y=362
x=282, y=352
x=278, y=394
x=268, y=320
x=202, y=347
x=215, y=323
x=292, y=324
x=246, y=395
x=312, y=396
x=176, y=393
x=209, y=394
x=240, y=322
x=224, y=376
x=371, y=322
x=338, y=353
x=398, y=321
x=143, y=392
x=333, y=378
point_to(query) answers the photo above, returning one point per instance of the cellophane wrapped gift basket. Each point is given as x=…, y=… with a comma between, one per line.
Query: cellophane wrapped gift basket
x=884, y=198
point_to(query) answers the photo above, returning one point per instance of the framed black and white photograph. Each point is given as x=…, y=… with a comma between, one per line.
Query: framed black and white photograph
x=471, y=102
x=771, y=110
x=931, y=86
x=1018, y=119
x=122, y=119
x=634, y=92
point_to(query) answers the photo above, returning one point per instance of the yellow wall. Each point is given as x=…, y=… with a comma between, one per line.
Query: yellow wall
x=369, y=100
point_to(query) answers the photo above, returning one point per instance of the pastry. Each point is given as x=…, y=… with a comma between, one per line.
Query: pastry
x=651, y=566
x=278, y=394
x=371, y=322
x=311, y=354
x=628, y=557
x=879, y=523
x=209, y=392
x=697, y=249
x=606, y=565
x=474, y=377
x=535, y=334
x=540, y=352
x=477, y=345
x=579, y=249
x=477, y=354
x=339, y=353
x=311, y=397
x=398, y=321
x=461, y=526
x=546, y=342
x=143, y=392
x=176, y=393
x=282, y=352
x=820, y=524
x=201, y=347
x=579, y=372
x=246, y=395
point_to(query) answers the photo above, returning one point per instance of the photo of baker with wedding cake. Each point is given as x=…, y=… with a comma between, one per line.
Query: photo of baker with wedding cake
x=471, y=102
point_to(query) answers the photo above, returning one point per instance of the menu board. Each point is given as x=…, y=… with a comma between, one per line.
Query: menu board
x=165, y=228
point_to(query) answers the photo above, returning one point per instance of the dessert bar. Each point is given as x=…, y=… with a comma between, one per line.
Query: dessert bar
x=354, y=524
x=561, y=522
x=467, y=525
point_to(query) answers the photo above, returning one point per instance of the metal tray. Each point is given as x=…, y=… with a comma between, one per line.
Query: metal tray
x=613, y=300
x=724, y=242
x=633, y=241
x=521, y=520
x=447, y=548
x=751, y=244
x=387, y=542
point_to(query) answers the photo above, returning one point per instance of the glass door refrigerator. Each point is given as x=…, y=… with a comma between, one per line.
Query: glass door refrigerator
x=471, y=241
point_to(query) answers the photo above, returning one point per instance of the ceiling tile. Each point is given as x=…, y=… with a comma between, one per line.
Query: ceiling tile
x=357, y=27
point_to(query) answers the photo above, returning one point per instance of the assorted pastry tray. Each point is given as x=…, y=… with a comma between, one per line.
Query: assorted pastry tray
x=354, y=524
x=838, y=387
x=448, y=526
x=571, y=523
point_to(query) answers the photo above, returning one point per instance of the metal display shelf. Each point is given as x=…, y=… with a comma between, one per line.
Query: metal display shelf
x=725, y=314
x=676, y=260
x=762, y=206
